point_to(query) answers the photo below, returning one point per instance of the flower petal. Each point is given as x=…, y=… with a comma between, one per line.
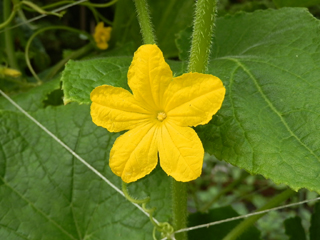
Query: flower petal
x=181, y=152
x=134, y=154
x=193, y=98
x=149, y=76
x=115, y=109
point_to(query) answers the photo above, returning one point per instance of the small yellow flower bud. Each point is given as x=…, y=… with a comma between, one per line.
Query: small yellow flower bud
x=102, y=36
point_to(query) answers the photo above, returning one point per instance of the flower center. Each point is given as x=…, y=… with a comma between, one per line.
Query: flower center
x=161, y=116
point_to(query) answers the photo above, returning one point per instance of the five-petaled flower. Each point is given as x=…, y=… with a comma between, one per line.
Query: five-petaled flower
x=158, y=115
x=102, y=35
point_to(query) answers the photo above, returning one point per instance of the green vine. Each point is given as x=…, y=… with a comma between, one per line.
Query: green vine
x=9, y=43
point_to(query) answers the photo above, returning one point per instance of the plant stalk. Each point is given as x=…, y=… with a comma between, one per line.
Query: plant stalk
x=202, y=35
x=74, y=55
x=179, y=208
x=9, y=43
x=244, y=225
x=145, y=22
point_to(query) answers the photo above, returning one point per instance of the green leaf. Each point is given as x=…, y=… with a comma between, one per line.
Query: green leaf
x=296, y=3
x=221, y=230
x=81, y=77
x=46, y=193
x=294, y=229
x=168, y=17
x=315, y=223
x=32, y=100
x=269, y=62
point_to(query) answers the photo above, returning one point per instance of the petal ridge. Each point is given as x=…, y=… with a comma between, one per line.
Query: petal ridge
x=190, y=104
x=115, y=109
x=181, y=152
x=149, y=76
x=134, y=154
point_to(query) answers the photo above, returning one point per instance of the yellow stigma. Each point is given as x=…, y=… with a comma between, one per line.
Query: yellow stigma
x=161, y=116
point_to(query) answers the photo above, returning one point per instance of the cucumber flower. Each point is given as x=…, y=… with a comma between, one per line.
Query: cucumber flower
x=159, y=114
x=102, y=36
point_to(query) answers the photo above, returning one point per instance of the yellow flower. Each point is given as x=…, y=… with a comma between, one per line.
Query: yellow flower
x=102, y=36
x=158, y=116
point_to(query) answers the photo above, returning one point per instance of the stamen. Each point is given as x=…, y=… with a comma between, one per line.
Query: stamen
x=161, y=116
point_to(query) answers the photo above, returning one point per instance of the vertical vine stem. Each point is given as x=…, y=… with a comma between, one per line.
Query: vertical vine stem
x=145, y=22
x=9, y=43
x=179, y=207
x=179, y=190
x=202, y=34
x=243, y=226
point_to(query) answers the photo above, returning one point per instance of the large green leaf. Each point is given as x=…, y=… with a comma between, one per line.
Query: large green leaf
x=32, y=100
x=269, y=63
x=296, y=3
x=48, y=194
x=269, y=122
x=81, y=77
x=168, y=18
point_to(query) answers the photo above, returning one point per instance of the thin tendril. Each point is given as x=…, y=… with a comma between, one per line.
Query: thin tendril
x=164, y=228
x=40, y=31
x=9, y=19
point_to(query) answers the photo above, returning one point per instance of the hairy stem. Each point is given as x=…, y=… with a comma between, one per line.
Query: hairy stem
x=179, y=208
x=202, y=34
x=145, y=22
x=238, y=230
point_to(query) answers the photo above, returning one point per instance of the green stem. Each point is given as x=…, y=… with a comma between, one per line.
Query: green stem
x=224, y=191
x=179, y=208
x=9, y=43
x=100, y=5
x=9, y=19
x=39, y=9
x=145, y=22
x=202, y=34
x=244, y=225
x=74, y=55
x=88, y=4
